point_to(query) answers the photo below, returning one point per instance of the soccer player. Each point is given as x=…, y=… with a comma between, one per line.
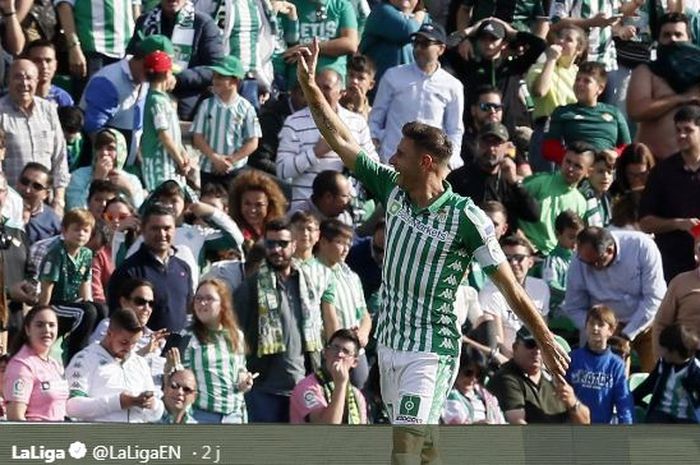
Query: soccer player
x=431, y=235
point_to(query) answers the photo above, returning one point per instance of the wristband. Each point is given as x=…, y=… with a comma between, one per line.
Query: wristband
x=8, y=14
x=576, y=406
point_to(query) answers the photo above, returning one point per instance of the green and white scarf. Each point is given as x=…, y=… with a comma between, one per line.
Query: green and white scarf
x=183, y=32
x=270, y=333
x=351, y=412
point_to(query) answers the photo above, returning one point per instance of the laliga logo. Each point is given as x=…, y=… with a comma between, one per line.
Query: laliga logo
x=76, y=450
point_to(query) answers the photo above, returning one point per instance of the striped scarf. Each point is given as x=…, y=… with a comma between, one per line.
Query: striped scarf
x=351, y=412
x=183, y=32
x=270, y=332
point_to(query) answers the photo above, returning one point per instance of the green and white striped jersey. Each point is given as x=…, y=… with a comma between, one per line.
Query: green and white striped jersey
x=225, y=127
x=159, y=115
x=216, y=368
x=243, y=41
x=320, y=280
x=103, y=26
x=350, y=306
x=427, y=253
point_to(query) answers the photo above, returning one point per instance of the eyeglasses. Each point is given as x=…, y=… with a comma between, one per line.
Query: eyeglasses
x=205, y=299
x=186, y=389
x=272, y=244
x=340, y=350
x=518, y=258
x=118, y=217
x=37, y=186
x=422, y=42
x=140, y=302
x=488, y=106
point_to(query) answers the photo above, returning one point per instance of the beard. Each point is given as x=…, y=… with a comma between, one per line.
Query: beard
x=279, y=264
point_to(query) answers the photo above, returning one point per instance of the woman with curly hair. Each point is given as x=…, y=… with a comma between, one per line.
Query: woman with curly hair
x=255, y=198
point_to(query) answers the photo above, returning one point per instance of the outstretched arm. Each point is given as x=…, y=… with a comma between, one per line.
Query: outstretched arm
x=329, y=124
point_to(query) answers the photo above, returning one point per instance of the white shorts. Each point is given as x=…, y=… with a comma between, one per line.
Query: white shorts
x=414, y=385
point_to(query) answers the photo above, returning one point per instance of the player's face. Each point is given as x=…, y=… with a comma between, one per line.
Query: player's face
x=406, y=162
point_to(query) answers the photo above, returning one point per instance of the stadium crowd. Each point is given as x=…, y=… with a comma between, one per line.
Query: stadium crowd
x=179, y=244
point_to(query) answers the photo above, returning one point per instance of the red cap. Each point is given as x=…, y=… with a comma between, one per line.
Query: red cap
x=157, y=62
x=695, y=231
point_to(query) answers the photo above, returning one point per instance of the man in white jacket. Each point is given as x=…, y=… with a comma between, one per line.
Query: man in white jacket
x=109, y=382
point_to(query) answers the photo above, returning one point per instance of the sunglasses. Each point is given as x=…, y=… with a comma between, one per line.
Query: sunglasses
x=34, y=185
x=518, y=258
x=118, y=217
x=140, y=302
x=186, y=389
x=487, y=106
x=529, y=344
x=273, y=244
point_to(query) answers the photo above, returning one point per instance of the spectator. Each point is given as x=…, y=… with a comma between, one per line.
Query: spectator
x=420, y=90
x=387, y=35
x=34, y=386
x=331, y=193
x=12, y=205
x=526, y=395
x=349, y=302
x=282, y=329
x=303, y=153
x=596, y=189
x=33, y=185
x=196, y=40
x=225, y=129
x=523, y=15
x=326, y=396
x=674, y=384
x=492, y=176
x=115, y=95
x=651, y=101
x=597, y=375
x=233, y=272
x=496, y=211
x=365, y=258
x=632, y=168
x=488, y=62
x=334, y=24
x=622, y=270
x=95, y=34
x=551, y=84
x=272, y=117
x=668, y=208
x=625, y=211
x=519, y=255
x=179, y=394
x=164, y=156
x=65, y=278
x=557, y=192
x=108, y=162
x=72, y=121
x=155, y=261
x=600, y=124
x=32, y=131
x=216, y=355
x=254, y=200
x=556, y=266
x=681, y=302
x=469, y=402
x=100, y=192
x=111, y=383
x=361, y=80
x=43, y=53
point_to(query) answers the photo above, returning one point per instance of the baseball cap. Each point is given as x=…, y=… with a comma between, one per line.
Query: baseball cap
x=494, y=129
x=492, y=28
x=229, y=66
x=157, y=62
x=524, y=334
x=155, y=42
x=432, y=32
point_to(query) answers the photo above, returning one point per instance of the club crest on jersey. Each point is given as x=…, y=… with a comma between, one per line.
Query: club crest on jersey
x=394, y=207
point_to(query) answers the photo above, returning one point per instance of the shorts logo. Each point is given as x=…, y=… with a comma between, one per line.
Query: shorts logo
x=410, y=405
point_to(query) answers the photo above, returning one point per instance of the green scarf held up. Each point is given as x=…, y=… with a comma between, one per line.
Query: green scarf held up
x=351, y=412
x=270, y=332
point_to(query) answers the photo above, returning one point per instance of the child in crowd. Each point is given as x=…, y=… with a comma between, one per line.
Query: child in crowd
x=164, y=157
x=65, y=276
x=361, y=72
x=600, y=124
x=554, y=270
x=597, y=374
x=72, y=120
x=675, y=381
x=596, y=189
x=225, y=129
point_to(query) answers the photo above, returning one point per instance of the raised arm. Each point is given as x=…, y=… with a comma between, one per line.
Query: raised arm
x=329, y=124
